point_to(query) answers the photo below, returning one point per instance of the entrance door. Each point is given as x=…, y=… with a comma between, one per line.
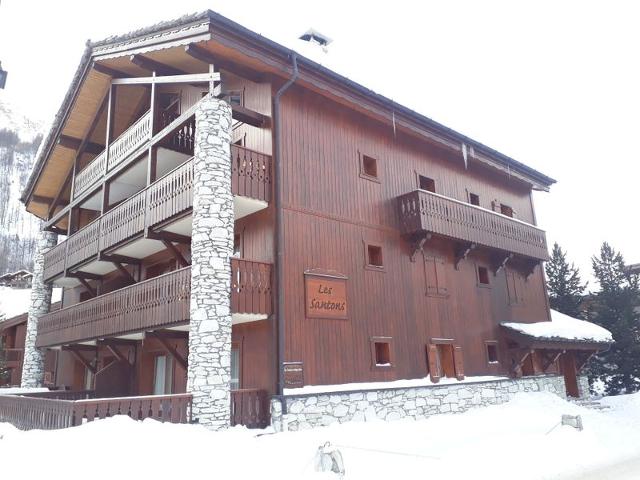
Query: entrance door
x=568, y=365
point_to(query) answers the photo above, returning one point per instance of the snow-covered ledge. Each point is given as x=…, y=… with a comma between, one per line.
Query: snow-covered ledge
x=416, y=399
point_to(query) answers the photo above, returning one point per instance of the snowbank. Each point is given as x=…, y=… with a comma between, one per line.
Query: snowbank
x=15, y=301
x=515, y=440
x=563, y=327
x=21, y=390
x=348, y=387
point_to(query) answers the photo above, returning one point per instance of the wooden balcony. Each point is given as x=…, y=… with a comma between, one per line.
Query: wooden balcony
x=250, y=407
x=422, y=211
x=156, y=303
x=164, y=200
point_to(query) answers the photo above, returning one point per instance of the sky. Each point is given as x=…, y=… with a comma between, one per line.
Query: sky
x=555, y=85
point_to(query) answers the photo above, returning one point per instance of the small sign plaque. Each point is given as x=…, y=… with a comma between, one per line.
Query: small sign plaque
x=326, y=296
x=293, y=374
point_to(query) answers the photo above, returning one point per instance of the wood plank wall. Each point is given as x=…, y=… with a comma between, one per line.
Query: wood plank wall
x=331, y=212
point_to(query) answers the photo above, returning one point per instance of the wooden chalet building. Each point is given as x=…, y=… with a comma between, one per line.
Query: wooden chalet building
x=368, y=243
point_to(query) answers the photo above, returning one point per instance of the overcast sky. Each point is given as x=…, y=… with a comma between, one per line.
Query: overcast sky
x=553, y=84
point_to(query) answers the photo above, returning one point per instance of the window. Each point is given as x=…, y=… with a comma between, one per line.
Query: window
x=374, y=256
x=368, y=167
x=162, y=375
x=237, y=245
x=506, y=210
x=381, y=352
x=426, y=183
x=234, y=383
x=483, y=276
x=444, y=359
x=492, y=351
x=236, y=97
x=474, y=199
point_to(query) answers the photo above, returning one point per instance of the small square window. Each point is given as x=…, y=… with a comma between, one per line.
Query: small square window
x=381, y=352
x=492, y=352
x=483, y=276
x=426, y=183
x=506, y=210
x=374, y=256
x=474, y=199
x=368, y=167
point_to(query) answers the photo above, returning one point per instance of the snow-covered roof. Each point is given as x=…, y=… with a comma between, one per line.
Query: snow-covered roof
x=15, y=301
x=563, y=328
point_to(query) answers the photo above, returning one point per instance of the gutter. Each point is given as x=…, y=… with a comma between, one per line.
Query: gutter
x=279, y=233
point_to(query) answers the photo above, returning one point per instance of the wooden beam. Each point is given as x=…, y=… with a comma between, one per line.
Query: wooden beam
x=84, y=275
x=125, y=273
x=112, y=72
x=167, y=79
x=501, y=263
x=176, y=253
x=88, y=287
x=73, y=143
x=418, y=243
x=171, y=350
x=118, y=354
x=56, y=199
x=199, y=53
x=550, y=359
x=250, y=117
x=172, y=334
x=118, y=342
x=113, y=258
x=169, y=236
x=154, y=66
x=41, y=199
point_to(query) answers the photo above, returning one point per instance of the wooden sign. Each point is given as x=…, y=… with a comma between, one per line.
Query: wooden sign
x=293, y=374
x=325, y=296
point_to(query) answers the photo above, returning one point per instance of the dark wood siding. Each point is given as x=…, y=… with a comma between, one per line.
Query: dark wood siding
x=331, y=212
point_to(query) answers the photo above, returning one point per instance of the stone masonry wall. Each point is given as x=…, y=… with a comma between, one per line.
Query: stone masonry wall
x=316, y=410
x=209, y=372
x=33, y=364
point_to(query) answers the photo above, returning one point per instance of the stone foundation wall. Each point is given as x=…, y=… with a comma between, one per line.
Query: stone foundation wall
x=316, y=410
x=583, y=386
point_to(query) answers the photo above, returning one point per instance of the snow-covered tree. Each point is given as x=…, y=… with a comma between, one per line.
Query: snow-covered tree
x=564, y=284
x=614, y=308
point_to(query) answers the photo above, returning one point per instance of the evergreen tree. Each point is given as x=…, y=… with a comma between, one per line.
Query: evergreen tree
x=615, y=309
x=564, y=284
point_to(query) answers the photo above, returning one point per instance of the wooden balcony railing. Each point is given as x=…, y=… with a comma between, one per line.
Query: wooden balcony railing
x=425, y=211
x=131, y=140
x=168, y=197
x=155, y=303
x=27, y=412
x=249, y=407
x=250, y=287
x=148, y=305
x=12, y=357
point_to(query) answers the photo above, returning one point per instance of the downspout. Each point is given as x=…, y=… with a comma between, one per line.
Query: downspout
x=279, y=233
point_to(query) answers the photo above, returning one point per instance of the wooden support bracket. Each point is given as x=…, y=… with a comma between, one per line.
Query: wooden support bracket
x=530, y=268
x=76, y=353
x=501, y=263
x=88, y=287
x=462, y=251
x=550, y=358
x=125, y=273
x=176, y=253
x=170, y=349
x=417, y=244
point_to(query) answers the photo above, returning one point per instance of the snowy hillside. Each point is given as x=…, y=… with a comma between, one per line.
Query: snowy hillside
x=16, y=301
x=19, y=141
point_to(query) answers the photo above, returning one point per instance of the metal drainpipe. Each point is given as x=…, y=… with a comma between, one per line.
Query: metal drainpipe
x=279, y=230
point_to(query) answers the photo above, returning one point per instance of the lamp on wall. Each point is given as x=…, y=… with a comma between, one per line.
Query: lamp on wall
x=3, y=76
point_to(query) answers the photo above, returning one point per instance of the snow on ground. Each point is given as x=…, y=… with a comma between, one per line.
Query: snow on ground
x=563, y=326
x=415, y=382
x=21, y=390
x=15, y=301
x=516, y=440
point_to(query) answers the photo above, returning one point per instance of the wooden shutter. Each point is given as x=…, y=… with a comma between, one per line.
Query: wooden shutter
x=431, y=277
x=441, y=277
x=515, y=287
x=432, y=359
x=435, y=276
x=458, y=362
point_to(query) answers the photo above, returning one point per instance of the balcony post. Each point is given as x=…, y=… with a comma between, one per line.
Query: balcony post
x=33, y=363
x=209, y=371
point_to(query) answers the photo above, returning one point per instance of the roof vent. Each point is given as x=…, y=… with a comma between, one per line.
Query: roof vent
x=315, y=37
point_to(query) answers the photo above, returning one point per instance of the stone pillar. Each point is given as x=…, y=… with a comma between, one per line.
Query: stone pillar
x=33, y=364
x=209, y=370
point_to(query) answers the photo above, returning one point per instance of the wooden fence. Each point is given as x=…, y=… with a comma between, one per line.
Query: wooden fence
x=250, y=286
x=250, y=407
x=29, y=412
x=426, y=211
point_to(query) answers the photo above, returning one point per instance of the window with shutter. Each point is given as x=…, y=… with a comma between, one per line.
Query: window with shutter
x=433, y=362
x=435, y=276
x=515, y=287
